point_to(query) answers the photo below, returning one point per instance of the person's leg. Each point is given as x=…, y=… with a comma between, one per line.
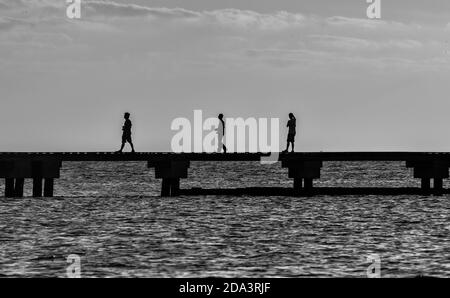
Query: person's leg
x=220, y=144
x=127, y=139
x=292, y=146
x=287, y=147
x=121, y=147
x=224, y=148
x=130, y=141
x=124, y=139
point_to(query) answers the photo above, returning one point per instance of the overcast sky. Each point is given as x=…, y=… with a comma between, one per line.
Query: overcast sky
x=353, y=83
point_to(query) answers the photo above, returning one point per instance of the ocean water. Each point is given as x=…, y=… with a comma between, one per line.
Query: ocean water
x=110, y=215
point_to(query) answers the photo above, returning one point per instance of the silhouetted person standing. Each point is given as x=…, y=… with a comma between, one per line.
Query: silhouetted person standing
x=291, y=133
x=126, y=135
x=221, y=134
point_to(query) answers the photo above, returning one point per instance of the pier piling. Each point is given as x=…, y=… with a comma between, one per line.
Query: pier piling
x=48, y=187
x=426, y=170
x=9, y=187
x=165, y=187
x=438, y=186
x=170, y=172
x=303, y=168
x=15, y=168
x=37, y=187
x=175, y=187
x=425, y=184
x=298, y=185
x=18, y=187
x=308, y=185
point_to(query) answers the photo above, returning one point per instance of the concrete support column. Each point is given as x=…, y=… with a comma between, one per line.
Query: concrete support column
x=170, y=172
x=37, y=187
x=298, y=185
x=425, y=184
x=302, y=171
x=175, y=187
x=438, y=186
x=308, y=184
x=16, y=171
x=18, y=187
x=48, y=187
x=9, y=187
x=165, y=187
x=430, y=169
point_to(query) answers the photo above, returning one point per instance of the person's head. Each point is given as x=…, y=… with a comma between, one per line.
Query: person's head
x=220, y=116
x=291, y=116
x=126, y=115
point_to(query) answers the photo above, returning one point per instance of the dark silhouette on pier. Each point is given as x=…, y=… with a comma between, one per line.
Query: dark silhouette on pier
x=126, y=134
x=221, y=135
x=291, y=133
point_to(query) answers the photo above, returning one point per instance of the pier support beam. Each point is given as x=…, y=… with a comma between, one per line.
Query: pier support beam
x=308, y=184
x=37, y=187
x=16, y=171
x=175, y=187
x=170, y=172
x=438, y=185
x=298, y=185
x=430, y=169
x=18, y=187
x=48, y=187
x=9, y=187
x=305, y=171
x=425, y=184
x=165, y=187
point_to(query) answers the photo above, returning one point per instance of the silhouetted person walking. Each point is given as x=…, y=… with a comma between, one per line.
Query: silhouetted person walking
x=291, y=133
x=221, y=134
x=126, y=135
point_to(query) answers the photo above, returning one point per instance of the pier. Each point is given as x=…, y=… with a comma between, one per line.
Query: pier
x=303, y=168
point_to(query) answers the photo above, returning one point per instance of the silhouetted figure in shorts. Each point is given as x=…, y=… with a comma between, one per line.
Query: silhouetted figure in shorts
x=126, y=135
x=291, y=133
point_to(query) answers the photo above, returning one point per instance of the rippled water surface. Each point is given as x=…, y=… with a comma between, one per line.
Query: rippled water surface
x=111, y=216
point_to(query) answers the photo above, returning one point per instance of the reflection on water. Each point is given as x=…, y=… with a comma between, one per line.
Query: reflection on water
x=110, y=215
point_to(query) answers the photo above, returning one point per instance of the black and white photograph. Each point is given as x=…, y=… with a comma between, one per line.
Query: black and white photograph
x=236, y=140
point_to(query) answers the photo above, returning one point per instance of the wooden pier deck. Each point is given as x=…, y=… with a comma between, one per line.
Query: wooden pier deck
x=303, y=167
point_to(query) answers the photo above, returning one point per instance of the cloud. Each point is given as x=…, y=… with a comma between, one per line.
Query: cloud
x=9, y=23
x=50, y=6
x=243, y=19
x=113, y=9
x=10, y=4
x=224, y=36
x=225, y=17
x=361, y=44
x=40, y=40
x=340, y=21
x=251, y=19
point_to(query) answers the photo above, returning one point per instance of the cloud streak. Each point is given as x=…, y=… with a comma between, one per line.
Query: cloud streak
x=113, y=9
x=7, y=23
